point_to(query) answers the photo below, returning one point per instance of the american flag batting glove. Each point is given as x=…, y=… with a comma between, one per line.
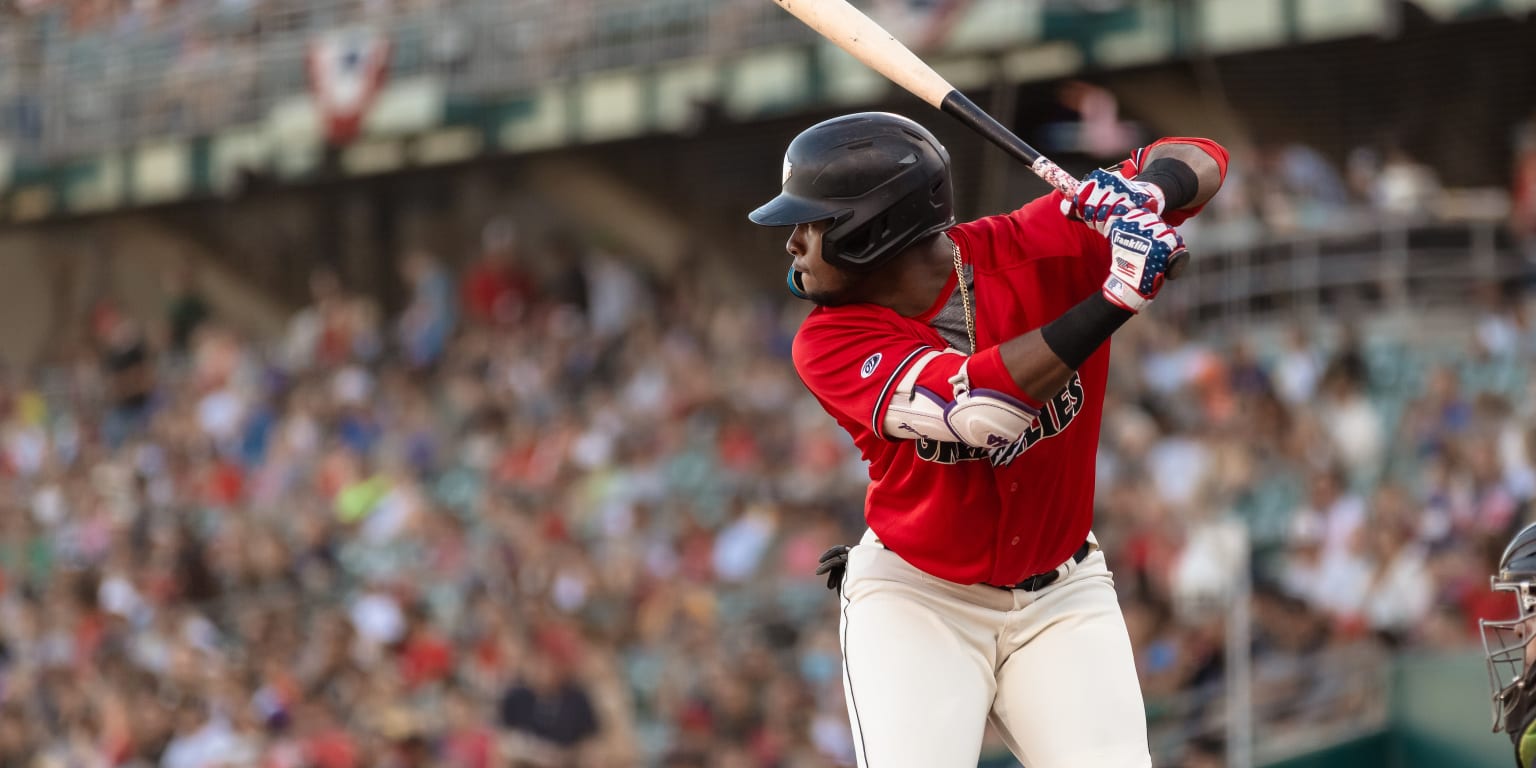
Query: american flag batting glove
x=1103, y=195
x=1142, y=249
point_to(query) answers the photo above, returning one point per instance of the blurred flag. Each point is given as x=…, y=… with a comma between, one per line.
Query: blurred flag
x=346, y=70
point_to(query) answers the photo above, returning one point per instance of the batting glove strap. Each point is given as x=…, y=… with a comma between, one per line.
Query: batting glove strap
x=1141, y=248
x=1103, y=195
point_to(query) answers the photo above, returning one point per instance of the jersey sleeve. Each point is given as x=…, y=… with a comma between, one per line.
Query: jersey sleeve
x=984, y=370
x=856, y=360
x=1138, y=159
x=851, y=359
x=1036, y=230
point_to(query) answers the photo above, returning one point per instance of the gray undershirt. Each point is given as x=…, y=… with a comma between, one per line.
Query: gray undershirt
x=950, y=320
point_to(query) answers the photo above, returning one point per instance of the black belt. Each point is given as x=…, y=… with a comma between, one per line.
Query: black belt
x=1043, y=580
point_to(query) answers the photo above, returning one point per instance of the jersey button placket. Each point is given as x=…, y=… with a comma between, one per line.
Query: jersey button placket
x=1015, y=541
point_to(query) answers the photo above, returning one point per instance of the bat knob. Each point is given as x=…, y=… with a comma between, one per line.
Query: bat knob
x=1177, y=263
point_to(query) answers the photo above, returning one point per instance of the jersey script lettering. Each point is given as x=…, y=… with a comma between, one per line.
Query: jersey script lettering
x=1055, y=417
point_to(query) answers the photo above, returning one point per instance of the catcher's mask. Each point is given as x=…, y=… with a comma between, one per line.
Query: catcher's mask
x=1505, y=642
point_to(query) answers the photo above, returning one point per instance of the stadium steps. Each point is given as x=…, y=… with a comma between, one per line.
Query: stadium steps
x=628, y=214
x=157, y=249
x=55, y=275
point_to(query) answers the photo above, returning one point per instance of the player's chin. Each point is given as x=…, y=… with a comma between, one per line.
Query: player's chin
x=804, y=285
x=828, y=298
x=818, y=291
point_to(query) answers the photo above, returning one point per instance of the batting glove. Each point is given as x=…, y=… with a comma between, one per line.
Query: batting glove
x=1144, y=250
x=834, y=563
x=1103, y=195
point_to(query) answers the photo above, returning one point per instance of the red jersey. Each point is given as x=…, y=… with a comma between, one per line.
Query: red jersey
x=966, y=514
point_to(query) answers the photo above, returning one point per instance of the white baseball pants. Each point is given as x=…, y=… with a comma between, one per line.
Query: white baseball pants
x=927, y=662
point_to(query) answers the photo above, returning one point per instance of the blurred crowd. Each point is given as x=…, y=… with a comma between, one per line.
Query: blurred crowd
x=1289, y=189
x=535, y=521
x=553, y=512
x=568, y=516
x=1362, y=486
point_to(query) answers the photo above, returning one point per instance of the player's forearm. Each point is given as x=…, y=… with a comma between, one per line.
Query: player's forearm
x=1188, y=187
x=993, y=397
x=1042, y=361
x=1035, y=369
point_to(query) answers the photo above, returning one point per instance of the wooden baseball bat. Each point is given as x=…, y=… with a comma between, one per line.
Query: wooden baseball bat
x=849, y=29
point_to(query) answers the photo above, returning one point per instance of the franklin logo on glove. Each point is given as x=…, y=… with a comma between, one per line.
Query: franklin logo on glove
x=1144, y=251
x=1130, y=242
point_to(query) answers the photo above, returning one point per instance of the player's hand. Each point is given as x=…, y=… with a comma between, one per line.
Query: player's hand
x=1144, y=251
x=833, y=563
x=1103, y=195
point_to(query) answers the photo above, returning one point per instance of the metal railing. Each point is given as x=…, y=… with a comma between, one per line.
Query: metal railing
x=202, y=66
x=1381, y=267
x=1302, y=702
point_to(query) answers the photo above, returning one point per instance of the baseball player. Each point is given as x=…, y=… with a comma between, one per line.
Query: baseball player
x=1511, y=648
x=968, y=362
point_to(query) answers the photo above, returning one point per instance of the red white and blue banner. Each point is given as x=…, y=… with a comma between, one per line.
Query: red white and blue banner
x=347, y=68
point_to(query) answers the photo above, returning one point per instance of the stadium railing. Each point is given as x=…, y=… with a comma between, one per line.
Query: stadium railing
x=1381, y=267
x=1329, y=696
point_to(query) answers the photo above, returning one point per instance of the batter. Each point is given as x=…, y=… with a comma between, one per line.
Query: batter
x=968, y=363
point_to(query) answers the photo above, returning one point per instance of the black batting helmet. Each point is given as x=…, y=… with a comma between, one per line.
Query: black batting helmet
x=882, y=180
x=1505, y=642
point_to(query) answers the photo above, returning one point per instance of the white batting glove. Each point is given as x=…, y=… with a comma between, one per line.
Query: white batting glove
x=1144, y=250
x=1103, y=195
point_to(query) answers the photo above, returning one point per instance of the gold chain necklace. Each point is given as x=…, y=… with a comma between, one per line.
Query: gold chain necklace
x=965, y=297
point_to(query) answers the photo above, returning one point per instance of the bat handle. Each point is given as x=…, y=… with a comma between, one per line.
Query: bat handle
x=1055, y=176
x=962, y=108
x=956, y=104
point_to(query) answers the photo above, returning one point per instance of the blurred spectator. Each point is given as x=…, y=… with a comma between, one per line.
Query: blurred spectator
x=1400, y=592
x=923, y=24
x=1328, y=571
x=494, y=290
x=428, y=320
x=203, y=740
x=129, y=372
x=1351, y=418
x=1404, y=187
x=614, y=293
x=1098, y=130
x=186, y=309
x=1522, y=213
x=1298, y=370
x=468, y=741
x=550, y=714
x=1440, y=414
x=317, y=334
x=1302, y=190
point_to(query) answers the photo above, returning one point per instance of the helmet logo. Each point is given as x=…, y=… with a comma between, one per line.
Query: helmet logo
x=788, y=167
